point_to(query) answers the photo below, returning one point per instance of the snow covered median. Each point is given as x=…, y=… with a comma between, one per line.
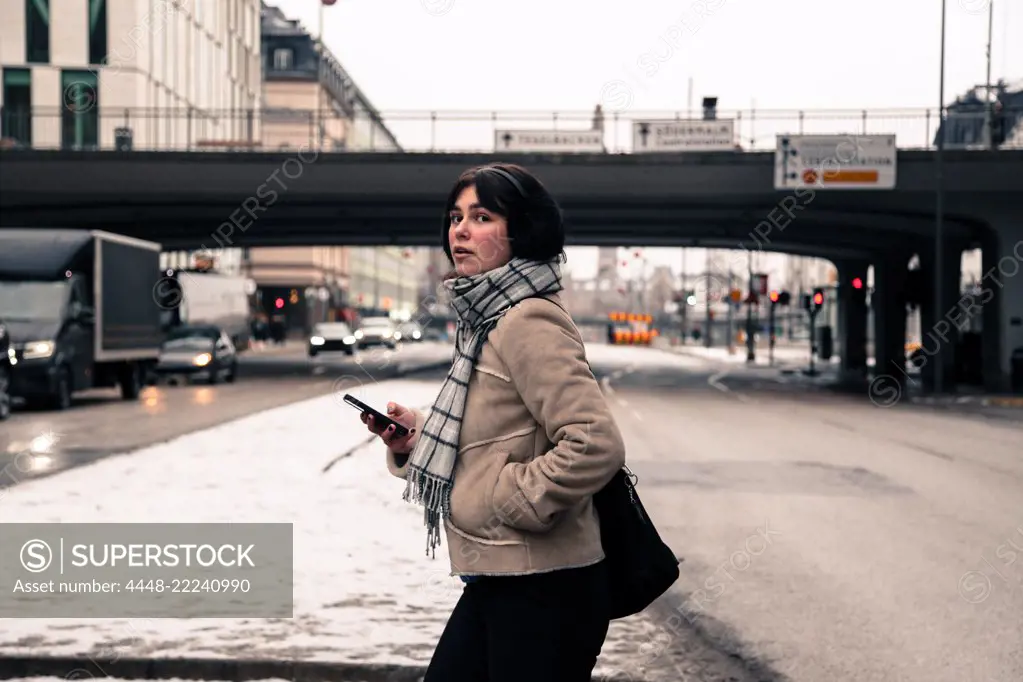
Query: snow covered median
x=365, y=592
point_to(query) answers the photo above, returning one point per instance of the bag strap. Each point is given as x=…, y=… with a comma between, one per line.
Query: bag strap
x=630, y=477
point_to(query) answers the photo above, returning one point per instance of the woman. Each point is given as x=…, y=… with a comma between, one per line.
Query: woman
x=512, y=451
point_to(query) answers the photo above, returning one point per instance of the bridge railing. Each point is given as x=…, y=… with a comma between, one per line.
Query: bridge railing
x=82, y=126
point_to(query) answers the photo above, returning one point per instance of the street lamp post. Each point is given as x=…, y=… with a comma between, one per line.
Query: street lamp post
x=988, y=104
x=319, y=76
x=707, y=336
x=684, y=302
x=939, y=368
x=751, y=355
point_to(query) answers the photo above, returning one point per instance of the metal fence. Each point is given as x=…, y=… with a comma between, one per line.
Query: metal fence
x=80, y=127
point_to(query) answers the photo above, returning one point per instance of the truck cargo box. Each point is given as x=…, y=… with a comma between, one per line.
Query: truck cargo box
x=128, y=319
x=123, y=273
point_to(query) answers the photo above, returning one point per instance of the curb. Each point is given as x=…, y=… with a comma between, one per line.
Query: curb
x=420, y=369
x=226, y=670
x=85, y=667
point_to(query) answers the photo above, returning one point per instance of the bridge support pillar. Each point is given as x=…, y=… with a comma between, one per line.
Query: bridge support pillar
x=889, y=309
x=939, y=329
x=852, y=321
x=1001, y=294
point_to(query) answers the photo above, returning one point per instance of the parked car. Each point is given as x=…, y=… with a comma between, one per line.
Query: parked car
x=6, y=367
x=199, y=352
x=331, y=336
x=377, y=331
x=410, y=331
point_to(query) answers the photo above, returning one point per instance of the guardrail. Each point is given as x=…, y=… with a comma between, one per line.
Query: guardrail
x=92, y=128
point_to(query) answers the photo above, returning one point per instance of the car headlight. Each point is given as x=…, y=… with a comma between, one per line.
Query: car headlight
x=397, y=336
x=38, y=349
x=349, y=340
x=202, y=359
x=416, y=335
x=358, y=334
x=316, y=340
x=12, y=355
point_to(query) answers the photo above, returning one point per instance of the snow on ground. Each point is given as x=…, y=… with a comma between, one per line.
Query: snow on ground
x=364, y=590
x=120, y=679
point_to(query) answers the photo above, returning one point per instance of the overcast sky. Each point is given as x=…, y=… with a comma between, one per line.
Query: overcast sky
x=639, y=56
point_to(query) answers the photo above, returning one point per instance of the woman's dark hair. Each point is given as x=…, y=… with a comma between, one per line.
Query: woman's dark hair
x=535, y=225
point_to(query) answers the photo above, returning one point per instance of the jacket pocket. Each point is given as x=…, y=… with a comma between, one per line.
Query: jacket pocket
x=514, y=506
x=472, y=500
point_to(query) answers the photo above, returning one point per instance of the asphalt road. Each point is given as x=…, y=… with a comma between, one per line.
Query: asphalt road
x=99, y=424
x=825, y=538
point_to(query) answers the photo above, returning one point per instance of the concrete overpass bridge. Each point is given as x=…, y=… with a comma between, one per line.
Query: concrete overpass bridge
x=193, y=200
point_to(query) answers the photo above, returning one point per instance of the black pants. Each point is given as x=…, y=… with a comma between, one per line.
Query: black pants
x=532, y=628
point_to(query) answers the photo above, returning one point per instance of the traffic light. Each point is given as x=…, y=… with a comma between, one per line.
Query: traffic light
x=857, y=283
x=784, y=298
x=774, y=297
x=279, y=303
x=818, y=299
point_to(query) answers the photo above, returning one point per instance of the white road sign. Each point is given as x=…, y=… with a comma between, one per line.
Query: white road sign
x=835, y=162
x=549, y=141
x=683, y=135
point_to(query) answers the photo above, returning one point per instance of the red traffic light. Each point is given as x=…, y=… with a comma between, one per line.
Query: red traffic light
x=774, y=297
x=279, y=303
x=857, y=283
x=818, y=298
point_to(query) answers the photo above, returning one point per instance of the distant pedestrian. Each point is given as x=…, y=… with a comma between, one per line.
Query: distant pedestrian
x=516, y=444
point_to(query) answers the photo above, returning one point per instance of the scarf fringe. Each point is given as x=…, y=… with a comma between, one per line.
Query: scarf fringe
x=434, y=493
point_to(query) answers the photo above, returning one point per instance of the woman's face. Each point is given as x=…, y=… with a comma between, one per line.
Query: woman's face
x=478, y=237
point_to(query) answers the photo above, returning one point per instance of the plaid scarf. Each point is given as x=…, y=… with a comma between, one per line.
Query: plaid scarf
x=479, y=302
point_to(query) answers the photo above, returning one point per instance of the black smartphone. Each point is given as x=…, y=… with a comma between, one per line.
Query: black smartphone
x=380, y=418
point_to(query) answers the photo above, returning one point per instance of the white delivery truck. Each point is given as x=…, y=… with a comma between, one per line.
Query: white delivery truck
x=201, y=297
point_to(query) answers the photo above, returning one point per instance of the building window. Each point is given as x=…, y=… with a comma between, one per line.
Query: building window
x=283, y=60
x=37, y=31
x=80, y=115
x=97, y=31
x=16, y=120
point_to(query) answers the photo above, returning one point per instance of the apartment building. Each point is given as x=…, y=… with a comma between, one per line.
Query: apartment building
x=131, y=74
x=310, y=101
x=308, y=97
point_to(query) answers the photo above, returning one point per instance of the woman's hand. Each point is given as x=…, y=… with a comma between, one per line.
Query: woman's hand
x=403, y=416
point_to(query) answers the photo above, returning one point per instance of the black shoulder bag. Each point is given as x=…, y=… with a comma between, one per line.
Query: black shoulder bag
x=641, y=567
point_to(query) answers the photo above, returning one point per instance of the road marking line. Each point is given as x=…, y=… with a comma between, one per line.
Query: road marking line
x=637, y=415
x=715, y=381
x=605, y=383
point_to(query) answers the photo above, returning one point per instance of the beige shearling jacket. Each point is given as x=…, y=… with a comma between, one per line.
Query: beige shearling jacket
x=537, y=441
